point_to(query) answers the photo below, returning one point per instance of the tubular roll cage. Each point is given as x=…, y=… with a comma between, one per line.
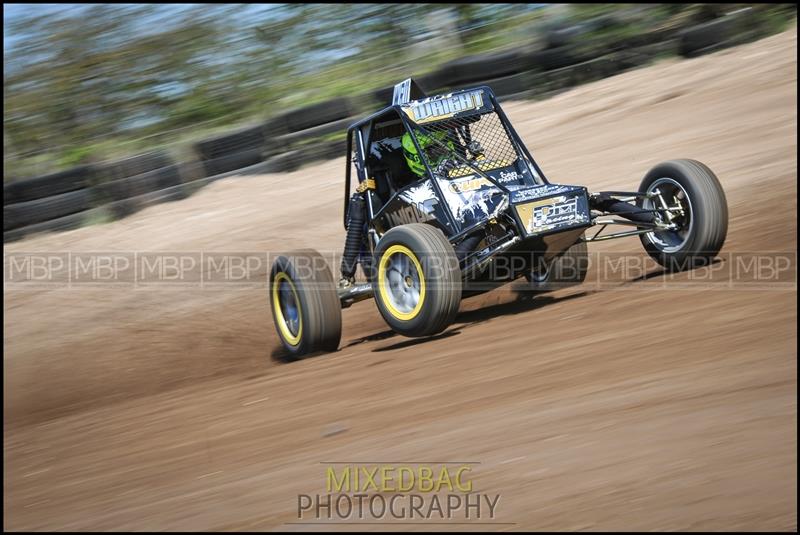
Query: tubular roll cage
x=355, y=130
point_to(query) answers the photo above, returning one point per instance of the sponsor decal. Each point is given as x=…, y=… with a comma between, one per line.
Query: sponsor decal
x=537, y=192
x=561, y=210
x=508, y=176
x=547, y=214
x=481, y=165
x=408, y=214
x=420, y=199
x=460, y=171
x=443, y=107
x=419, y=195
x=471, y=183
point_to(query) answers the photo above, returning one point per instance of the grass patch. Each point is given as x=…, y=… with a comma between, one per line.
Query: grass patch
x=98, y=216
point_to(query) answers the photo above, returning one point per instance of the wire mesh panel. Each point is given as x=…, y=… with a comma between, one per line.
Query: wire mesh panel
x=457, y=149
x=454, y=147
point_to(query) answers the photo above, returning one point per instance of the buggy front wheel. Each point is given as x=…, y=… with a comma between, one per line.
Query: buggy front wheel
x=688, y=197
x=418, y=280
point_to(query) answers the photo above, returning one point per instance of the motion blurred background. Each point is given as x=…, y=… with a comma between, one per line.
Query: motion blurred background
x=640, y=400
x=107, y=105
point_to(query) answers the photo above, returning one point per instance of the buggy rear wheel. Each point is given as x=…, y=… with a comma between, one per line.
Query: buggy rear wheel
x=305, y=306
x=418, y=286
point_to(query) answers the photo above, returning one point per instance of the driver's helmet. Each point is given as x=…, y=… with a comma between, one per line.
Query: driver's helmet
x=413, y=159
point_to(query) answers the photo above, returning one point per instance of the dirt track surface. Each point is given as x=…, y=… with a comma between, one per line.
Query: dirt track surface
x=641, y=406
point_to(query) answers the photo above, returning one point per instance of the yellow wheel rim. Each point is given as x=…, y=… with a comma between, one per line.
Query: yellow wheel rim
x=286, y=307
x=401, y=282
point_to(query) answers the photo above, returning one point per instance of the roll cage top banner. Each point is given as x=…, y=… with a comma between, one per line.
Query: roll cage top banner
x=459, y=104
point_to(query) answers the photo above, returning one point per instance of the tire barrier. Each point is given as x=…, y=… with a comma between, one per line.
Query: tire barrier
x=323, y=150
x=564, y=36
x=548, y=83
x=125, y=188
x=484, y=67
x=472, y=70
x=39, y=210
x=133, y=166
x=335, y=149
x=506, y=85
x=131, y=205
x=251, y=138
x=276, y=132
x=234, y=161
x=637, y=41
x=191, y=171
x=31, y=189
x=318, y=114
x=275, y=127
x=383, y=96
x=68, y=222
x=434, y=81
x=741, y=26
x=553, y=58
x=302, y=136
x=707, y=37
x=283, y=163
x=587, y=71
x=629, y=59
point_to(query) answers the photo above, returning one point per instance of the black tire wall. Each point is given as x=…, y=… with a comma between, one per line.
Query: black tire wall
x=31, y=189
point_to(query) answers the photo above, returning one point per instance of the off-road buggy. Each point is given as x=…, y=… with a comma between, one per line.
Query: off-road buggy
x=481, y=215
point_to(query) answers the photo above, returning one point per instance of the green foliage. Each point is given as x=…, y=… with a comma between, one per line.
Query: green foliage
x=773, y=19
x=102, y=81
x=76, y=156
x=98, y=216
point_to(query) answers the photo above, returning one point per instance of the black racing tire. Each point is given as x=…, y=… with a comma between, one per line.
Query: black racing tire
x=32, y=189
x=318, y=114
x=553, y=58
x=125, y=188
x=305, y=306
x=284, y=163
x=66, y=222
x=483, y=67
x=250, y=138
x=418, y=287
x=704, y=223
x=133, y=166
x=233, y=161
x=435, y=81
x=506, y=85
x=695, y=40
x=37, y=211
x=566, y=270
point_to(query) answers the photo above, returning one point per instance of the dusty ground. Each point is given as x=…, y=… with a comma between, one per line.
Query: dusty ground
x=643, y=405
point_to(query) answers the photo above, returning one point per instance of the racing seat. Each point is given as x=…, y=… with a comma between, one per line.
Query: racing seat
x=390, y=171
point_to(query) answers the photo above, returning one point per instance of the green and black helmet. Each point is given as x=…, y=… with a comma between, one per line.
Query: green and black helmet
x=413, y=159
